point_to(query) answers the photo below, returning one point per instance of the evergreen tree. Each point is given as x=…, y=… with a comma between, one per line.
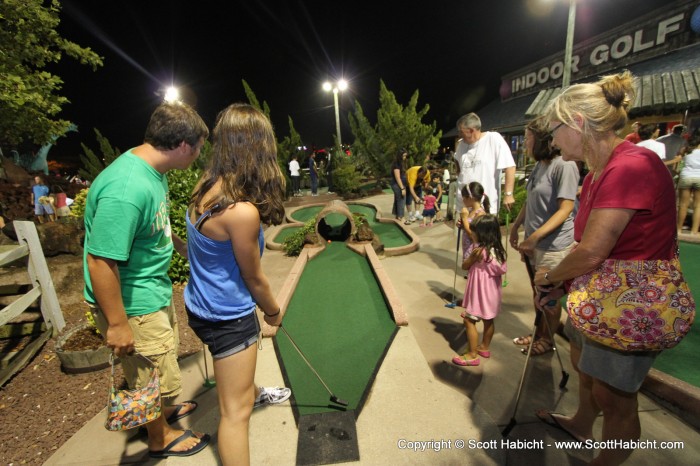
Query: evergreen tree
x=397, y=126
x=28, y=93
x=92, y=164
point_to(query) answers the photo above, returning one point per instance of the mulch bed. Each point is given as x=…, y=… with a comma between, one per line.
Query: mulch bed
x=42, y=407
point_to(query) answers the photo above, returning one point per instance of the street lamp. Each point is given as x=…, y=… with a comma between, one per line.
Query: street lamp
x=568, y=51
x=337, y=87
x=172, y=94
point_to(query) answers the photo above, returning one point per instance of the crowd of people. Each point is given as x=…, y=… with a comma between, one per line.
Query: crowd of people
x=624, y=211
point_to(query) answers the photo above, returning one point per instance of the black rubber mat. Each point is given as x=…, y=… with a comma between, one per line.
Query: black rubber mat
x=327, y=438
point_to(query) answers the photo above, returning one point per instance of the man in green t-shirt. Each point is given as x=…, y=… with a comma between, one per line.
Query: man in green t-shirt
x=128, y=247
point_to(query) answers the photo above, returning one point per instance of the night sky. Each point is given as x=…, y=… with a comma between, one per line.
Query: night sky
x=453, y=51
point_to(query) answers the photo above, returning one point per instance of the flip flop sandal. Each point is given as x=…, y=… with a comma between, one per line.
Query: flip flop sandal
x=466, y=362
x=540, y=347
x=522, y=341
x=175, y=415
x=166, y=452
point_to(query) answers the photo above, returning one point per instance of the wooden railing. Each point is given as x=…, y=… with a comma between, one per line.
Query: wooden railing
x=41, y=288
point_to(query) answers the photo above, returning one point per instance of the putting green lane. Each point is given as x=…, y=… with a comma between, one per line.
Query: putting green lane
x=340, y=321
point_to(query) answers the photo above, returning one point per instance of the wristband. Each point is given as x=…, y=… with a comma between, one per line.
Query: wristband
x=508, y=193
x=273, y=315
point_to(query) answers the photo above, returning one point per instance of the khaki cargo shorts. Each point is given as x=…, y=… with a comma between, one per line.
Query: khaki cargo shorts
x=157, y=338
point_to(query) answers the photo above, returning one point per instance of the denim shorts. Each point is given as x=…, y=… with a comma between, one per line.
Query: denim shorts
x=226, y=337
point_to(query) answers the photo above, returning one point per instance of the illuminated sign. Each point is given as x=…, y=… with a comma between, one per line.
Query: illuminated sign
x=649, y=36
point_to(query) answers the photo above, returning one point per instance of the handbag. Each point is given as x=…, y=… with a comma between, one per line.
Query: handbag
x=127, y=409
x=633, y=305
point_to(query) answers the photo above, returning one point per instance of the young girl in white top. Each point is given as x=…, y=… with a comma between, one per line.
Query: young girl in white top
x=476, y=204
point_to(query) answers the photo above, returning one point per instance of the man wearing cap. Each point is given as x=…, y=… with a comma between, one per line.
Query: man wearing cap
x=480, y=157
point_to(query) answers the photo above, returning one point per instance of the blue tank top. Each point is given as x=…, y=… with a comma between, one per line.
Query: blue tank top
x=215, y=291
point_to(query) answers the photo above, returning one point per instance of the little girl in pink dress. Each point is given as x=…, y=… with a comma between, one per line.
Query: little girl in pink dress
x=482, y=297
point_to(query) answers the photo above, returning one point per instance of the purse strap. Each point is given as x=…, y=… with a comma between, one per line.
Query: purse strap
x=112, y=359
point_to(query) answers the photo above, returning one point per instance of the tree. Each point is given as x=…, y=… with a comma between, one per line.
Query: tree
x=28, y=93
x=397, y=126
x=288, y=145
x=92, y=164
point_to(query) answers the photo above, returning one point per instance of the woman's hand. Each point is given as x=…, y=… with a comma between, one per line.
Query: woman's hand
x=540, y=280
x=527, y=247
x=548, y=300
x=274, y=319
x=513, y=238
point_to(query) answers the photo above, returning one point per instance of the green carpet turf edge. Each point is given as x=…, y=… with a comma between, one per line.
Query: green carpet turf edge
x=681, y=362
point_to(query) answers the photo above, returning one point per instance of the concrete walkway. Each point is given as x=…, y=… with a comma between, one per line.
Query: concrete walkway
x=418, y=395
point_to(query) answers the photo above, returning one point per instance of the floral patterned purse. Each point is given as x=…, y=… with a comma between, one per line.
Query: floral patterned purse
x=633, y=305
x=127, y=409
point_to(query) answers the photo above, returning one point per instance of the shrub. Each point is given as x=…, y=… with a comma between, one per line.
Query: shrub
x=181, y=184
x=346, y=177
x=77, y=209
x=294, y=243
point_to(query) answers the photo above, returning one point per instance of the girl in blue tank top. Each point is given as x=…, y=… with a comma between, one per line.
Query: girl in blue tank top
x=241, y=189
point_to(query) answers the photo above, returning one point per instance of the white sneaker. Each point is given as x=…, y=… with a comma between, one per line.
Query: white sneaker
x=272, y=396
x=419, y=217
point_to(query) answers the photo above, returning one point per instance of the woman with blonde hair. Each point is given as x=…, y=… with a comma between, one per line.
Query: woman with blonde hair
x=627, y=212
x=241, y=189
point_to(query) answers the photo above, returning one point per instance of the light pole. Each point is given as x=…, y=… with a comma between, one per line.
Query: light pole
x=336, y=88
x=568, y=51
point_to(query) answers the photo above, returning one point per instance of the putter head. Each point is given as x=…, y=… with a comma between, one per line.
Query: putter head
x=209, y=383
x=338, y=401
x=508, y=428
x=564, y=379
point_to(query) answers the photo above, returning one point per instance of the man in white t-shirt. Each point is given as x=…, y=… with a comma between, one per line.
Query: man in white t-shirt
x=647, y=134
x=294, y=175
x=481, y=157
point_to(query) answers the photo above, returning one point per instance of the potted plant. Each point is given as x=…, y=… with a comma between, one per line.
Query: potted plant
x=82, y=349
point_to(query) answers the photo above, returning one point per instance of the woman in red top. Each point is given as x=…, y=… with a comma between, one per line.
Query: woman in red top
x=627, y=211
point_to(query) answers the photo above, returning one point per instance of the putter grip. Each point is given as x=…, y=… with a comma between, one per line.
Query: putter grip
x=551, y=302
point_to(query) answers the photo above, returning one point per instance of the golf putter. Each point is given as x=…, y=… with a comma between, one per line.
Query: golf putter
x=452, y=304
x=208, y=383
x=334, y=399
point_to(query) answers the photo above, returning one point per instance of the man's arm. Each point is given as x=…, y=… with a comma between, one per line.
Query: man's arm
x=180, y=246
x=508, y=199
x=106, y=286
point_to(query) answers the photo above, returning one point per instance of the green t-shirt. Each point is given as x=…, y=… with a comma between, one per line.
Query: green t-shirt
x=127, y=219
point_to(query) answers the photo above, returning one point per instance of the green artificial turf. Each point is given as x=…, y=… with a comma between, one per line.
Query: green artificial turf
x=340, y=321
x=390, y=234
x=285, y=233
x=681, y=361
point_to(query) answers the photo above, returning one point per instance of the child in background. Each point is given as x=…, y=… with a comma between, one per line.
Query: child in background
x=476, y=204
x=482, y=297
x=428, y=209
x=436, y=188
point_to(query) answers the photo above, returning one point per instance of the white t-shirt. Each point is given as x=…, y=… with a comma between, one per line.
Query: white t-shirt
x=483, y=162
x=656, y=146
x=294, y=168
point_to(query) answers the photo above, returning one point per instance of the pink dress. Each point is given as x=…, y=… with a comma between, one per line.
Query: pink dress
x=482, y=295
